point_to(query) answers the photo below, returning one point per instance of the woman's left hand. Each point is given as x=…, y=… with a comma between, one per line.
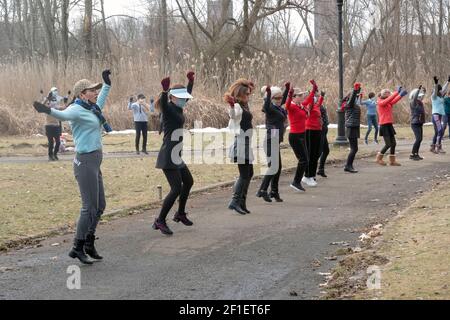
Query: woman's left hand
x=106, y=77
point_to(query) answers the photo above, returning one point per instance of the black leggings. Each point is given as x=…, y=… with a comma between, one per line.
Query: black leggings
x=298, y=144
x=390, y=143
x=353, y=151
x=181, y=182
x=273, y=179
x=324, y=149
x=141, y=127
x=418, y=133
x=313, y=138
x=53, y=134
x=246, y=171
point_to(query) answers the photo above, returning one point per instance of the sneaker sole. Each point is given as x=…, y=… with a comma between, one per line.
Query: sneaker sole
x=297, y=189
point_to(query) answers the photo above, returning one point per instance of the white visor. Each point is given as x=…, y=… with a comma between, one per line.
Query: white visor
x=180, y=93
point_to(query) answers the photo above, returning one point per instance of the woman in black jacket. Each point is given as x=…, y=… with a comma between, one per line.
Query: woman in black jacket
x=171, y=104
x=417, y=120
x=352, y=125
x=324, y=145
x=276, y=117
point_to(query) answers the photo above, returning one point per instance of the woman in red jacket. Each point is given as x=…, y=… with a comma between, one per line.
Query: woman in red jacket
x=386, y=102
x=298, y=108
x=313, y=140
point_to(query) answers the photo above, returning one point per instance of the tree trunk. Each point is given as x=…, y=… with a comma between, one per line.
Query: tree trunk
x=87, y=34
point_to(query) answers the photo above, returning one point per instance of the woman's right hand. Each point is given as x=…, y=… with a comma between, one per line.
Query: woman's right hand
x=231, y=101
x=314, y=84
x=291, y=93
x=165, y=83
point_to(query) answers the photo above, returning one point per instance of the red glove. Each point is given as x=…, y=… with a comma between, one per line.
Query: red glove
x=231, y=101
x=268, y=90
x=291, y=93
x=191, y=76
x=287, y=85
x=314, y=84
x=166, y=84
x=357, y=86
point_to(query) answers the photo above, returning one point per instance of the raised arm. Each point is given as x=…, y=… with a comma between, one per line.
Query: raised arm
x=70, y=114
x=287, y=87
x=385, y=102
x=309, y=101
x=191, y=80
x=356, y=90
x=267, y=101
x=445, y=88
x=101, y=100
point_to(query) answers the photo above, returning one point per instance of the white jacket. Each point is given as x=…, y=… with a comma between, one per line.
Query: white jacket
x=235, y=119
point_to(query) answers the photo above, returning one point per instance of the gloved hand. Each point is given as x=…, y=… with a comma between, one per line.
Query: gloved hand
x=436, y=80
x=268, y=90
x=41, y=108
x=314, y=84
x=165, y=84
x=287, y=85
x=420, y=87
x=106, y=77
x=65, y=100
x=191, y=76
x=323, y=93
x=291, y=93
x=357, y=86
x=403, y=93
x=50, y=96
x=448, y=79
x=131, y=99
x=399, y=89
x=231, y=101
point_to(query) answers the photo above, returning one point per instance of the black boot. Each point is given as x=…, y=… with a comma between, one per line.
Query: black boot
x=183, y=219
x=55, y=156
x=321, y=173
x=244, y=196
x=263, y=194
x=236, y=202
x=89, y=247
x=78, y=252
x=275, y=195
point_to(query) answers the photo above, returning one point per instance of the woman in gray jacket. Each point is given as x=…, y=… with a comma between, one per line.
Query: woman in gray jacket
x=352, y=125
x=417, y=120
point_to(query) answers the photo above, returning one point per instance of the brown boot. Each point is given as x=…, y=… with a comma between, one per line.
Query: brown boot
x=434, y=149
x=393, y=162
x=380, y=159
x=440, y=150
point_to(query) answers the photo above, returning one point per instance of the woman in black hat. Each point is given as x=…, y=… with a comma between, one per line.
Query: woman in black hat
x=171, y=104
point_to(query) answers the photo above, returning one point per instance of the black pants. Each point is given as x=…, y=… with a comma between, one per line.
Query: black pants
x=353, y=151
x=390, y=143
x=313, y=138
x=181, y=182
x=298, y=144
x=53, y=134
x=324, y=149
x=272, y=179
x=141, y=127
x=418, y=133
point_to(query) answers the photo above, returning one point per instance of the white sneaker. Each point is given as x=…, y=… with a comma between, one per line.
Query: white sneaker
x=313, y=182
x=309, y=182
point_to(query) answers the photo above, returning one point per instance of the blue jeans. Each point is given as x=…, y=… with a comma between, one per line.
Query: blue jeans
x=445, y=124
x=372, y=120
x=438, y=129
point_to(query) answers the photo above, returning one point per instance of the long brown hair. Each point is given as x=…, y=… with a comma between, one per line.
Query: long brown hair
x=158, y=100
x=238, y=89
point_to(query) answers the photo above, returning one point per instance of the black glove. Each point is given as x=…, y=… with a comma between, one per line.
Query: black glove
x=106, y=78
x=323, y=93
x=448, y=79
x=50, y=96
x=41, y=108
x=420, y=87
x=66, y=99
x=436, y=80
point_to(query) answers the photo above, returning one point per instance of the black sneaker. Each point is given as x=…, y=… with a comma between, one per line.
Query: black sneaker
x=322, y=174
x=162, y=226
x=350, y=170
x=183, y=219
x=145, y=152
x=298, y=187
x=55, y=157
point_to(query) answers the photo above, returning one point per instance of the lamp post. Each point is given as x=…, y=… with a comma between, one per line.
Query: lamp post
x=341, y=139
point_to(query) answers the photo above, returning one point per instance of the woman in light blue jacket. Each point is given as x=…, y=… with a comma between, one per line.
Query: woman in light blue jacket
x=87, y=123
